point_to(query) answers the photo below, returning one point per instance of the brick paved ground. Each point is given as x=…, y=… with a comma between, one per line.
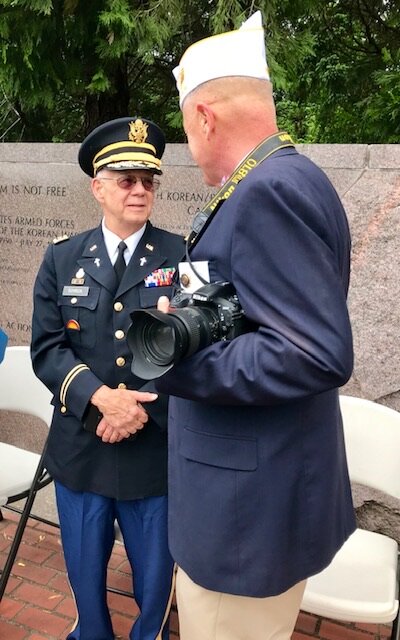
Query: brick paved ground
x=37, y=604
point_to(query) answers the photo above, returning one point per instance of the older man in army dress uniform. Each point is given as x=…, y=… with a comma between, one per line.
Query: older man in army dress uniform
x=107, y=448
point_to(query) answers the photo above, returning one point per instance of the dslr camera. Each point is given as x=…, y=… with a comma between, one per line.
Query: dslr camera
x=160, y=340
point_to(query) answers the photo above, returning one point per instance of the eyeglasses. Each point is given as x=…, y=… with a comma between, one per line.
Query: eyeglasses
x=127, y=182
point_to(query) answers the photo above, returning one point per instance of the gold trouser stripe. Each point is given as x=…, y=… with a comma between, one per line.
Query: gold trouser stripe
x=69, y=378
x=169, y=603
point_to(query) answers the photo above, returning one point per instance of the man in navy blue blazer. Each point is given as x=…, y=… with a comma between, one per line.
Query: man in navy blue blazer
x=259, y=494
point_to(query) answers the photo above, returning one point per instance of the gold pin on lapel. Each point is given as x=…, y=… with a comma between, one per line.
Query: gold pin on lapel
x=149, y=247
x=93, y=247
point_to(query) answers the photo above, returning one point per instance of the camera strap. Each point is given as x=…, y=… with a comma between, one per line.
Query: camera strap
x=203, y=218
x=265, y=149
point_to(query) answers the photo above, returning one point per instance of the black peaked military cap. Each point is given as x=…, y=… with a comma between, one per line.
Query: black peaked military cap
x=124, y=143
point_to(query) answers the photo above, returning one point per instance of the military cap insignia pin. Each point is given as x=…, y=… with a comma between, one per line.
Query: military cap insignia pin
x=138, y=131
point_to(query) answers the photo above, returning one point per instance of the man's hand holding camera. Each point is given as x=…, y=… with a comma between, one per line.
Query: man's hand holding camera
x=123, y=414
x=163, y=304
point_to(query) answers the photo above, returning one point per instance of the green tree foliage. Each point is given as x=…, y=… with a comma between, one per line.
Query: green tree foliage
x=346, y=87
x=68, y=65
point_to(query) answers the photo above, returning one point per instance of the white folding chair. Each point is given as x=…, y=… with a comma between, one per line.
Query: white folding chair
x=362, y=582
x=22, y=473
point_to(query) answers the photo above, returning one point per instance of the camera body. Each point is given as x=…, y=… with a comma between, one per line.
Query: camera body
x=225, y=315
x=160, y=340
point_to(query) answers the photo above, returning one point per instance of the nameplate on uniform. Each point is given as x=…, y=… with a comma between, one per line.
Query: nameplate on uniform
x=70, y=290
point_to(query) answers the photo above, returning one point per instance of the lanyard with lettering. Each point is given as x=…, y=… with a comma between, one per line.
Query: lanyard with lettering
x=266, y=148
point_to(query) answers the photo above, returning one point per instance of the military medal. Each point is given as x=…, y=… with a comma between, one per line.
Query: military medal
x=79, y=277
x=160, y=277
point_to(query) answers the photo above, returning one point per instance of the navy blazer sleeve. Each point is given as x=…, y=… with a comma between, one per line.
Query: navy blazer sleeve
x=287, y=254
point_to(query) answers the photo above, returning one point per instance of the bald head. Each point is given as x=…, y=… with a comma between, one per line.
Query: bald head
x=233, y=87
x=230, y=116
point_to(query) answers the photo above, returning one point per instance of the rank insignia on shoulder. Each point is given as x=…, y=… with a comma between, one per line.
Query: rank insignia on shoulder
x=160, y=277
x=60, y=239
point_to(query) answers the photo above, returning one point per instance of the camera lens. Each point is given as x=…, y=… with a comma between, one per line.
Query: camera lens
x=158, y=342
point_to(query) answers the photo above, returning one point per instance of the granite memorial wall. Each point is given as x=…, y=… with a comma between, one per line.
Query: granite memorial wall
x=44, y=194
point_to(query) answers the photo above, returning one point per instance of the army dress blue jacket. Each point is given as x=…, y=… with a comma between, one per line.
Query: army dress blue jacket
x=79, y=343
x=259, y=494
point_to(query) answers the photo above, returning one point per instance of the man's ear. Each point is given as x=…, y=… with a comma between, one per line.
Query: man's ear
x=97, y=189
x=206, y=118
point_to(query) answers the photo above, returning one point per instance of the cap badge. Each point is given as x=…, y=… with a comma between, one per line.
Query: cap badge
x=138, y=131
x=180, y=78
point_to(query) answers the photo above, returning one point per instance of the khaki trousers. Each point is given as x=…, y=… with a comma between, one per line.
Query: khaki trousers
x=210, y=615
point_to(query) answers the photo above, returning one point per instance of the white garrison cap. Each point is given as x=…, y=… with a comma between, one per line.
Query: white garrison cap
x=235, y=53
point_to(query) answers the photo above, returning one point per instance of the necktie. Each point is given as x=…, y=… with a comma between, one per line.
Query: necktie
x=120, y=264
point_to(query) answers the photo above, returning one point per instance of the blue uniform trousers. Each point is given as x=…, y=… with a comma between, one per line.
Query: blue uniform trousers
x=87, y=533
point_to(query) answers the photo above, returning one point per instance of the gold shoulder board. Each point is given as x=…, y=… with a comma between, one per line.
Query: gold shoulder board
x=60, y=239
